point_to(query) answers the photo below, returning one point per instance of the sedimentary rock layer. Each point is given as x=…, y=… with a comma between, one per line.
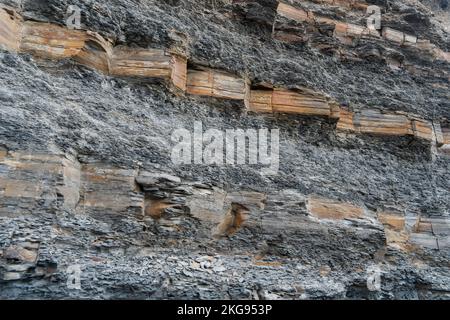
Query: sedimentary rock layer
x=89, y=48
x=215, y=83
x=315, y=28
x=49, y=182
x=54, y=42
x=88, y=186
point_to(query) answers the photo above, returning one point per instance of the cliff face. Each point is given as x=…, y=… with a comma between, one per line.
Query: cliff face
x=89, y=190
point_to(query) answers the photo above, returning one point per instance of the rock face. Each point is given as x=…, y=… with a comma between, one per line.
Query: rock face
x=92, y=204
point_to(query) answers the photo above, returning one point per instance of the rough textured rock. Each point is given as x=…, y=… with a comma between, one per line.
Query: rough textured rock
x=86, y=177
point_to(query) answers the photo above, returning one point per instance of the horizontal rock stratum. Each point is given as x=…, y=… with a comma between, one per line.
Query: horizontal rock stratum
x=90, y=49
x=87, y=181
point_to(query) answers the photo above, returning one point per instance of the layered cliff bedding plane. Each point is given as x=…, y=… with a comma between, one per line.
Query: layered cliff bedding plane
x=95, y=53
x=215, y=83
x=212, y=150
x=356, y=36
x=50, y=41
x=10, y=30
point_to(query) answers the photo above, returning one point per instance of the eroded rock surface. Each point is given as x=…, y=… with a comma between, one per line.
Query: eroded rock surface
x=86, y=177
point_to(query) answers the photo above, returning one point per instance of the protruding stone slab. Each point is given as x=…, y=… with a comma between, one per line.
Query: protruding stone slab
x=51, y=41
x=37, y=181
x=394, y=221
x=397, y=239
x=424, y=240
x=438, y=53
x=375, y=122
x=440, y=226
x=323, y=208
x=410, y=39
x=438, y=134
x=393, y=35
x=289, y=101
x=422, y=129
x=352, y=4
x=149, y=63
x=10, y=29
x=215, y=83
x=344, y=31
x=345, y=122
x=208, y=205
x=261, y=101
x=423, y=226
x=20, y=261
x=351, y=30
x=96, y=53
x=292, y=13
x=70, y=187
x=110, y=190
x=141, y=62
x=445, y=135
x=19, y=254
x=444, y=243
x=151, y=179
x=284, y=210
x=442, y=136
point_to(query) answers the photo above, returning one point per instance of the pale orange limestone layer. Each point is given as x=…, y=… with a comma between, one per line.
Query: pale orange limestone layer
x=377, y=122
x=215, y=83
x=108, y=191
x=51, y=41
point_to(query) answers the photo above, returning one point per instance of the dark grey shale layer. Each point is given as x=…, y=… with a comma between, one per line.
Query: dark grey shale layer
x=53, y=107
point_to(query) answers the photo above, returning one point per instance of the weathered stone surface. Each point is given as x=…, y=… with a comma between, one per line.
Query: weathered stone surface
x=424, y=240
x=375, y=122
x=140, y=62
x=179, y=72
x=27, y=179
x=423, y=129
x=293, y=13
x=110, y=190
x=446, y=135
x=291, y=102
x=310, y=23
x=96, y=53
x=10, y=30
x=149, y=63
x=335, y=210
x=89, y=48
x=215, y=83
x=393, y=35
x=288, y=101
x=392, y=220
x=142, y=227
x=151, y=179
x=444, y=243
x=233, y=220
x=261, y=101
x=20, y=254
x=51, y=41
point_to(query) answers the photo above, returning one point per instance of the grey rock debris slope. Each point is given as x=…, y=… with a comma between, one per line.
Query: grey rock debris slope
x=86, y=177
